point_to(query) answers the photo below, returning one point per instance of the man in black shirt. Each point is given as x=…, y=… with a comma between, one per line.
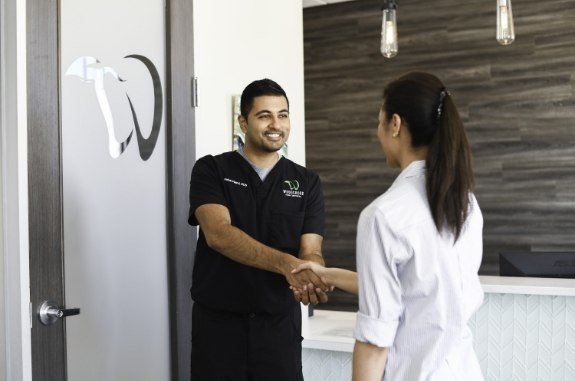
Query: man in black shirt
x=260, y=216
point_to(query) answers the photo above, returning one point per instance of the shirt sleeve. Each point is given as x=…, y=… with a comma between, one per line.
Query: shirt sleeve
x=205, y=187
x=380, y=303
x=314, y=220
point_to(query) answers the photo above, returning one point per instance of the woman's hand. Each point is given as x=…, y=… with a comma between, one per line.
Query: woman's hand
x=317, y=269
x=343, y=279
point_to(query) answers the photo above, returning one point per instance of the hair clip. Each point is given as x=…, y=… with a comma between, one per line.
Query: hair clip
x=442, y=96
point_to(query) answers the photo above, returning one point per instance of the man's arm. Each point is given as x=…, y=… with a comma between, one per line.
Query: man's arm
x=368, y=362
x=221, y=236
x=310, y=250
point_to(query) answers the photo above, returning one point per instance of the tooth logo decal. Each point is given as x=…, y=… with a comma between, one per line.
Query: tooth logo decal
x=83, y=67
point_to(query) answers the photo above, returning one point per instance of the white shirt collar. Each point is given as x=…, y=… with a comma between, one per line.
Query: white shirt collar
x=414, y=169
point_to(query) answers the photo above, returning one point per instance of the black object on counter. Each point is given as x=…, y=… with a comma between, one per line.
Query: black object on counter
x=543, y=264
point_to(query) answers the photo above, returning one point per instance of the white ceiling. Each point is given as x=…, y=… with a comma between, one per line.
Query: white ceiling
x=315, y=3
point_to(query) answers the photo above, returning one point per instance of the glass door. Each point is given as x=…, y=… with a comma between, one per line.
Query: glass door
x=113, y=142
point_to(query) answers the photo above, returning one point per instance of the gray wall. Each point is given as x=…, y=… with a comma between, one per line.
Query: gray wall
x=516, y=102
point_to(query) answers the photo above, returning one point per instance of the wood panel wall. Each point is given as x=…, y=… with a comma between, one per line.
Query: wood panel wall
x=516, y=102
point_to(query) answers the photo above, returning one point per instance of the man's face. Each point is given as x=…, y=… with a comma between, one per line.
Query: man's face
x=267, y=126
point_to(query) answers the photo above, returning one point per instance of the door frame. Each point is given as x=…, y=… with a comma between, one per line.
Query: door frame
x=181, y=155
x=45, y=203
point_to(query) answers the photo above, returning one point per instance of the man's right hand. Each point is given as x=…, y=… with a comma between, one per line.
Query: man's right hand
x=308, y=287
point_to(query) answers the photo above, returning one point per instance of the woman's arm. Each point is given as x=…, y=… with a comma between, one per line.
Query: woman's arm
x=368, y=362
x=340, y=278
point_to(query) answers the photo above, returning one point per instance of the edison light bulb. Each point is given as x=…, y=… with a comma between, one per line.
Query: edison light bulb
x=505, y=29
x=389, y=34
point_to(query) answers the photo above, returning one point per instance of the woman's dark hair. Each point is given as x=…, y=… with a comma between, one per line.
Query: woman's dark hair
x=259, y=88
x=428, y=111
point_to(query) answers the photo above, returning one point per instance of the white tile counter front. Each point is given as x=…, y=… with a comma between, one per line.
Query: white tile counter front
x=525, y=330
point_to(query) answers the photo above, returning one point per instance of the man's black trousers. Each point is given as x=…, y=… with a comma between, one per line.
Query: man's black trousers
x=230, y=346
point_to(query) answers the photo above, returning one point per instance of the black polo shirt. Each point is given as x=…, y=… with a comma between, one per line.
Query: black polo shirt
x=275, y=212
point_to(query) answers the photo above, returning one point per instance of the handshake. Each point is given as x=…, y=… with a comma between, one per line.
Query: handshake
x=309, y=282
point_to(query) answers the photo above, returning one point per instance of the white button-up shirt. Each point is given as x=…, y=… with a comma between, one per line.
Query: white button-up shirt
x=417, y=289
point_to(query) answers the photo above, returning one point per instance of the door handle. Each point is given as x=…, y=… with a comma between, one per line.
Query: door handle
x=49, y=313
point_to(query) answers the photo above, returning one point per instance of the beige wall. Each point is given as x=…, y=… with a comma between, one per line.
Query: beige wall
x=237, y=42
x=2, y=278
x=15, y=363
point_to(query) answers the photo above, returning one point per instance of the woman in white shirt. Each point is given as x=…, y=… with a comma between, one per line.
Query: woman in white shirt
x=419, y=245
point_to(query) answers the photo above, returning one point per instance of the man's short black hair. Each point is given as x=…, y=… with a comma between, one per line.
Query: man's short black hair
x=257, y=89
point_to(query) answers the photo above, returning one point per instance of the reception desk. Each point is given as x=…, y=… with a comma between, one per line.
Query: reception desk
x=525, y=330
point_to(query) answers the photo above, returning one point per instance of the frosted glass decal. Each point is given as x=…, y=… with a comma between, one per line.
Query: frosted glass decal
x=113, y=82
x=83, y=68
x=147, y=145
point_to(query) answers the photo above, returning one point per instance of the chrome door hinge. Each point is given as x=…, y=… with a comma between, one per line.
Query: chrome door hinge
x=194, y=91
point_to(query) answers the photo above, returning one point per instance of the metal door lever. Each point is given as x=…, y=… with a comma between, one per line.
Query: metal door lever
x=48, y=313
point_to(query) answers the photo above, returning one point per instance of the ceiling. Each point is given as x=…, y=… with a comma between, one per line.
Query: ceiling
x=315, y=3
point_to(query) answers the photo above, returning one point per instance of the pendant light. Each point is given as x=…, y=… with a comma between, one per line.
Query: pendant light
x=505, y=29
x=389, y=29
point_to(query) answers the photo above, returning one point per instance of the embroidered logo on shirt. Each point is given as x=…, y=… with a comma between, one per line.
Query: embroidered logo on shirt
x=291, y=189
x=293, y=184
x=235, y=182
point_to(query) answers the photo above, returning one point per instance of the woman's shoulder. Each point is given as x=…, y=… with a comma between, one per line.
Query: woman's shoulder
x=405, y=204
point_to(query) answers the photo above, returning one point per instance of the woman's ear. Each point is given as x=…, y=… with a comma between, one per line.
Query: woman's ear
x=396, y=125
